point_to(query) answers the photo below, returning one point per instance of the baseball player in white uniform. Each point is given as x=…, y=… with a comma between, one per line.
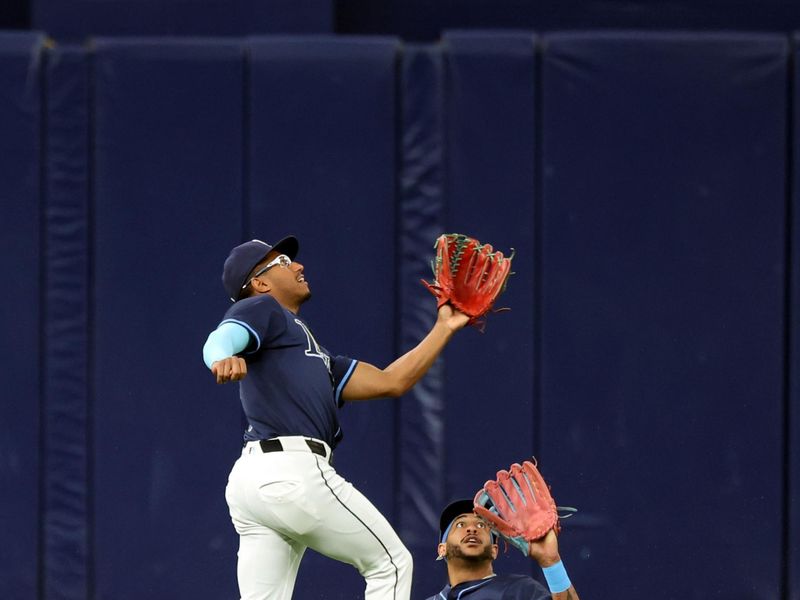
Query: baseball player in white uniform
x=283, y=493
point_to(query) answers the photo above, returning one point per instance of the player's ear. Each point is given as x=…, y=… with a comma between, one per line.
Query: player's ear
x=442, y=550
x=495, y=551
x=261, y=286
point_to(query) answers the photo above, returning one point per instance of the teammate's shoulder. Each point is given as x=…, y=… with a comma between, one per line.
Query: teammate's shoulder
x=440, y=595
x=514, y=577
x=516, y=581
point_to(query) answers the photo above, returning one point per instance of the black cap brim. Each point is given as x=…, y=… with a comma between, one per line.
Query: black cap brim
x=288, y=246
x=451, y=511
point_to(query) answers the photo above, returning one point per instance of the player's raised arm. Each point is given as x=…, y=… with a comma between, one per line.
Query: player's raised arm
x=545, y=552
x=368, y=381
x=468, y=278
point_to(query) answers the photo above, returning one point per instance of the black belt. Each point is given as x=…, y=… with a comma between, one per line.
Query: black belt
x=276, y=446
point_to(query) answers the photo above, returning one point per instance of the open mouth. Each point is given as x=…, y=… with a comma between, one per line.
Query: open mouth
x=471, y=539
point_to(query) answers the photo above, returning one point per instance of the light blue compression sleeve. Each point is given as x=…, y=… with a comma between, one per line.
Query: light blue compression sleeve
x=226, y=340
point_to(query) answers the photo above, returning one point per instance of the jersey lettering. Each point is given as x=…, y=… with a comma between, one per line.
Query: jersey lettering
x=313, y=349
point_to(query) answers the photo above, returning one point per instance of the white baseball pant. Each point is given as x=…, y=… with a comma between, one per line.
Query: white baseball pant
x=283, y=502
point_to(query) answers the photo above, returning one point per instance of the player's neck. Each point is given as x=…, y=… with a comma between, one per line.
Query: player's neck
x=459, y=571
x=290, y=306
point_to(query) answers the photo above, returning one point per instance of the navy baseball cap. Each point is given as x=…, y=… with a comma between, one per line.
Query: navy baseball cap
x=449, y=514
x=244, y=258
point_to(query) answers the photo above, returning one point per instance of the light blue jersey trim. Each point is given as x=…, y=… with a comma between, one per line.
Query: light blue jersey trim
x=344, y=381
x=250, y=329
x=469, y=589
x=228, y=339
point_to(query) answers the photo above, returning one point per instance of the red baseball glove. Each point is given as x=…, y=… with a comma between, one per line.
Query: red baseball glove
x=518, y=505
x=467, y=274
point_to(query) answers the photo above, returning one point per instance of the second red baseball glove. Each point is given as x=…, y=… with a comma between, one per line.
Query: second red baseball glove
x=518, y=505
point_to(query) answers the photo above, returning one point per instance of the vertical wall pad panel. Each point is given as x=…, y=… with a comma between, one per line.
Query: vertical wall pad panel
x=491, y=143
x=421, y=444
x=322, y=166
x=66, y=344
x=167, y=209
x=663, y=257
x=20, y=172
x=793, y=405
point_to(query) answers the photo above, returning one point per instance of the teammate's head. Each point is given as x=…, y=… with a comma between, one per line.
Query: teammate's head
x=464, y=535
x=242, y=263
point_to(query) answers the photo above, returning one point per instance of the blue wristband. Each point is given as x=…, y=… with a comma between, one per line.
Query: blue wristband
x=557, y=578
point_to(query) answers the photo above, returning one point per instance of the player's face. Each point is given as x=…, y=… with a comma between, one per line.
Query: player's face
x=470, y=539
x=287, y=283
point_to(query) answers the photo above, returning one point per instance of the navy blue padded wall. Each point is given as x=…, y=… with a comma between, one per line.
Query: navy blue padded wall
x=421, y=445
x=80, y=19
x=20, y=170
x=66, y=416
x=424, y=20
x=793, y=551
x=491, y=136
x=662, y=299
x=167, y=209
x=322, y=166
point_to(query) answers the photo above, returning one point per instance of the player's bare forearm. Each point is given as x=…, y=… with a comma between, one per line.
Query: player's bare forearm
x=545, y=552
x=400, y=376
x=395, y=380
x=407, y=370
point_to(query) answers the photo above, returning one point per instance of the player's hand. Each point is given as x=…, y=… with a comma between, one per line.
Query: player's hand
x=229, y=369
x=452, y=318
x=545, y=550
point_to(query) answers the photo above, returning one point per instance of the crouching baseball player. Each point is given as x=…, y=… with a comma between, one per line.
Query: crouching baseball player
x=518, y=507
